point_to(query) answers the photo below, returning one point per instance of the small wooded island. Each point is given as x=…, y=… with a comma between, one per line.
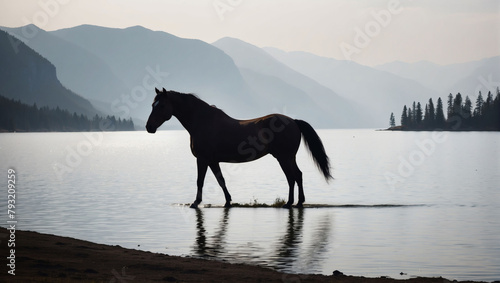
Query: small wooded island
x=461, y=115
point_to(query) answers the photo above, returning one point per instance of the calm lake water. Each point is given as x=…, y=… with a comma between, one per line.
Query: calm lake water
x=421, y=203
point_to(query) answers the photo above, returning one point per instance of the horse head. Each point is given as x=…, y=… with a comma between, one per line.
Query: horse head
x=161, y=112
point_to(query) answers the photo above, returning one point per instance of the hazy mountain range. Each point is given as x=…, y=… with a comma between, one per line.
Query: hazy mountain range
x=377, y=92
x=27, y=76
x=117, y=70
x=285, y=87
x=467, y=78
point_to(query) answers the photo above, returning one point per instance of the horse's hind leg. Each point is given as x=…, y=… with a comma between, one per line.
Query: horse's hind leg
x=298, y=179
x=220, y=179
x=293, y=174
x=287, y=167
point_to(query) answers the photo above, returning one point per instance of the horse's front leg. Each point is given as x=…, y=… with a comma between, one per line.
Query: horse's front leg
x=202, y=171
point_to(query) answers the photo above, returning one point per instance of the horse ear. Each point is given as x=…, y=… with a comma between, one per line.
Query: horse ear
x=164, y=90
x=157, y=91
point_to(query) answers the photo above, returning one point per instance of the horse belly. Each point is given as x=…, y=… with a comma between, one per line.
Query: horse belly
x=233, y=150
x=243, y=151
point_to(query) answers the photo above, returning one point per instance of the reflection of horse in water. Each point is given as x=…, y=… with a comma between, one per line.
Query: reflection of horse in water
x=291, y=252
x=216, y=137
x=216, y=245
x=289, y=255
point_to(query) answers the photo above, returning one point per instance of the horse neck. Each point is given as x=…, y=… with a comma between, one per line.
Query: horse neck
x=190, y=111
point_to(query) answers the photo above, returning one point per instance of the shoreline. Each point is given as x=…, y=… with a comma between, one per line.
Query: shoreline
x=50, y=258
x=469, y=129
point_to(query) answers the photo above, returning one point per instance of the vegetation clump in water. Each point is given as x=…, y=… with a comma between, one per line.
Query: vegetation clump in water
x=278, y=202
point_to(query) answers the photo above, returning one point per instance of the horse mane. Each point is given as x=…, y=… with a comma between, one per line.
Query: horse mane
x=194, y=97
x=196, y=100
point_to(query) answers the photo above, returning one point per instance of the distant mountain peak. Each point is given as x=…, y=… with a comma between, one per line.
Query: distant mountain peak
x=90, y=27
x=228, y=38
x=31, y=27
x=137, y=27
x=27, y=76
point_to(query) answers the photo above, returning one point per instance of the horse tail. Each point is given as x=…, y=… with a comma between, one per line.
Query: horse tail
x=316, y=148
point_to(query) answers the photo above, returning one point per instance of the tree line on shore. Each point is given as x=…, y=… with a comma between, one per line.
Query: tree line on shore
x=17, y=116
x=461, y=114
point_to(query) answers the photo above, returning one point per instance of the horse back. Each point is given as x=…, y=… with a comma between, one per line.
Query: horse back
x=246, y=140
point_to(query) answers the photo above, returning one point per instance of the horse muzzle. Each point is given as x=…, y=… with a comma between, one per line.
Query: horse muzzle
x=150, y=129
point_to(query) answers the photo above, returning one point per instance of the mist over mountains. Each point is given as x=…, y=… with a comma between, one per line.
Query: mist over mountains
x=468, y=78
x=118, y=69
x=378, y=93
x=286, y=87
x=27, y=76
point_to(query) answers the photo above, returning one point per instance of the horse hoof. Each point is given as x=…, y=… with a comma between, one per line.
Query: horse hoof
x=227, y=205
x=194, y=205
x=287, y=205
x=299, y=205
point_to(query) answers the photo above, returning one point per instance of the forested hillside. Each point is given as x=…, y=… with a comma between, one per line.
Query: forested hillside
x=27, y=76
x=16, y=116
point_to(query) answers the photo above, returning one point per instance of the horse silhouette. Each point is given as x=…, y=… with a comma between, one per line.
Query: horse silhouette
x=216, y=137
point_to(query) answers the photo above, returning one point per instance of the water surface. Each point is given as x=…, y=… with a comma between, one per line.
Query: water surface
x=421, y=203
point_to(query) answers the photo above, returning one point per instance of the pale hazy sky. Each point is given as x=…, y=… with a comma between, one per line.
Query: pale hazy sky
x=369, y=32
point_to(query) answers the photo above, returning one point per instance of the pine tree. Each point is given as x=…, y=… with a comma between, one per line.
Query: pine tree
x=467, y=109
x=414, y=112
x=496, y=110
x=488, y=114
x=410, y=118
x=479, y=105
x=404, y=117
x=488, y=103
x=440, y=120
x=457, y=105
x=450, y=105
x=432, y=113
x=426, y=121
x=392, y=121
x=418, y=115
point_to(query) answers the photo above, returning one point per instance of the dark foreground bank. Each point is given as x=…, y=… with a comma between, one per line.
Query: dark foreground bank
x=49, y=258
